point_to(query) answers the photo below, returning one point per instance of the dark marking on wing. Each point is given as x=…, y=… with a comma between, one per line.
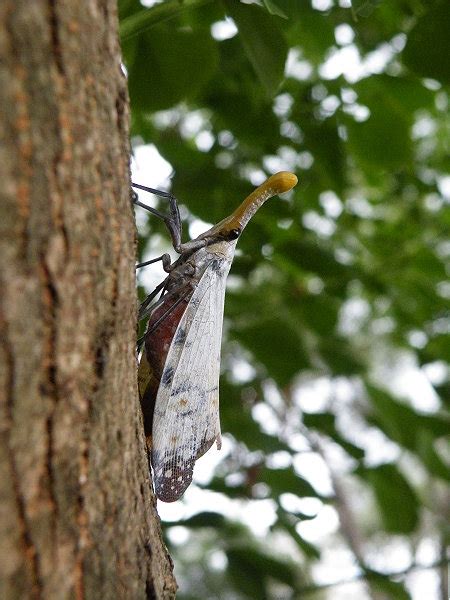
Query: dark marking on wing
x=181, y=335
x=189, y=389
x=195, y=302
x=183, y=388
x=185, y=413
x=167, y=376
x=216, y=264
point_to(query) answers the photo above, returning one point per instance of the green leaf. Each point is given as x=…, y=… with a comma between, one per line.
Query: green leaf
x=286, y=480
x=142, y=20
x=317, y=311
x=263, y=43
x=416, y=432
x=203, y=519
x=246, y=573
x=425, y=449
x=309, y=29
x=406, y=94
x=393, y=590
x=326, y=423
x=127, y=8
x=217, y=484
x=280, y=481
x=314, y=258
x=169, y=66
x=287, y=522
x=248, y=559
x=237, y=420
x=328, y=149
x=384, y=138
x=397, y=501
x=274, y=9
x=277, y=346
x=364, y=8
x=339, y=355
x=438, y=348
x=308, y=549
x=240, y=424
x=428, y=46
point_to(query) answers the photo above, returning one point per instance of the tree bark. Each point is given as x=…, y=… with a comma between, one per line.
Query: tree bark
x=77, y=514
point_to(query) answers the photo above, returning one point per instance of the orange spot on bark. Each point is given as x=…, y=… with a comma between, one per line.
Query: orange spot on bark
x=26, y=151
x=22, y=123
x=23, y=194
x=73, y=26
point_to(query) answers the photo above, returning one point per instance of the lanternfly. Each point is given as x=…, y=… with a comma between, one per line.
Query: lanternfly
x=180, y=362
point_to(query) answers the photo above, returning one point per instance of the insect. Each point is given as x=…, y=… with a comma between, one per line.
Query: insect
x=180, y=363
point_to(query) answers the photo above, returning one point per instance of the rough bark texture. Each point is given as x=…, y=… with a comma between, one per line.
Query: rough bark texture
x=77, y=516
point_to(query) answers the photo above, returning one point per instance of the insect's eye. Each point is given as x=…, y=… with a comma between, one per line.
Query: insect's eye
x=234, y=234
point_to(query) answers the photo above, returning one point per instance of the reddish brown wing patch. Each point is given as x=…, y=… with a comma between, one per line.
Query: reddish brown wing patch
x=157, y=344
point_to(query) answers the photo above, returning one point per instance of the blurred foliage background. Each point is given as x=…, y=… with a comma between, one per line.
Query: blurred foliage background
x=333, y=481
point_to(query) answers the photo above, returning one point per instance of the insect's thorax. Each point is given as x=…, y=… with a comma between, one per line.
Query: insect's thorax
x=218, y=256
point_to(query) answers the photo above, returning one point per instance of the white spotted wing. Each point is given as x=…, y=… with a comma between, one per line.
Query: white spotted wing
x=186, y=419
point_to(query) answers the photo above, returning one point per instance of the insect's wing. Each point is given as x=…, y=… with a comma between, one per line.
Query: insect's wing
x=186, y=421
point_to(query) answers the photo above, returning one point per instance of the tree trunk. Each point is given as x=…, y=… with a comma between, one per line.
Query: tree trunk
x=77, y=515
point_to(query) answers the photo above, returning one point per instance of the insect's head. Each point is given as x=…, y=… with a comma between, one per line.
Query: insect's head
x=231, y=227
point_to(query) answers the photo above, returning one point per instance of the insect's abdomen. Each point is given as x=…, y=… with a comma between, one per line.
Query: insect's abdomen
x=156, y=346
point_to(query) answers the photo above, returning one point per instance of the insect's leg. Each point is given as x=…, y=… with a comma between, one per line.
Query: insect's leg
x=139, y=343
x=165, y=259
x=170, y=309
x=143, y=307
x=172, y=221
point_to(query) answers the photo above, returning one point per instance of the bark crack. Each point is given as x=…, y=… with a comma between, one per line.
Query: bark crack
x=82, y=520
x=56, y=42
x=25, y=531
x=49, y=386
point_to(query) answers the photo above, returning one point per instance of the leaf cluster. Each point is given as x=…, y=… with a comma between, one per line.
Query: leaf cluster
x=335, y=283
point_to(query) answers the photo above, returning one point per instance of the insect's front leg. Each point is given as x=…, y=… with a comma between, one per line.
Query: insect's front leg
x=172, y=220
x=200, y=242
x=165, y=259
